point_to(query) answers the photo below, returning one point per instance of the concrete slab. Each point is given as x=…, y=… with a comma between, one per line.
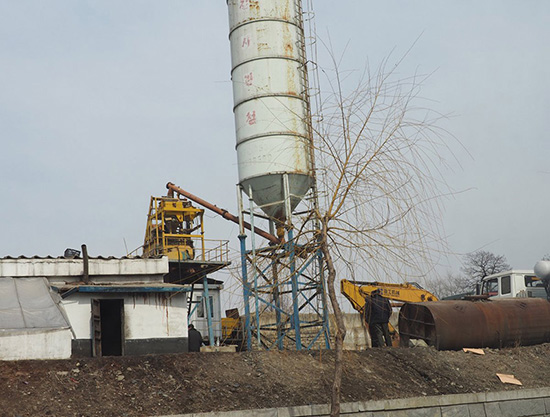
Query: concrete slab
x=529, y=407
x=320, y=409
x=517, y=394
x=477, y=410
x=298, y=411
x=455, y=411
x=456, y=399
x=417, y=412
x=534, y=403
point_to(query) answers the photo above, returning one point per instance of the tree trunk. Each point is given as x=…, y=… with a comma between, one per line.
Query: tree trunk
x=340, y=326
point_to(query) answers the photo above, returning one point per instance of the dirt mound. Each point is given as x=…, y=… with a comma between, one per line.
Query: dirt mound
x=186, y=383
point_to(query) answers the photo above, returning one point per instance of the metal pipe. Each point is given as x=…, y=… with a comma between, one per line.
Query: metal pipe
x=241, y=209
x=86, y=262
x=222, y=212
x=452, y=325
x=277, y=301
x=246, y=292
x=295, y=290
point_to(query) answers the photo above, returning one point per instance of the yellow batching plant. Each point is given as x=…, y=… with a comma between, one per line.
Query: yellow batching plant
x=174, y=229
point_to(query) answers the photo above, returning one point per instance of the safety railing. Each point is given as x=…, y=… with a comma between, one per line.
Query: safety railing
x=214, y=250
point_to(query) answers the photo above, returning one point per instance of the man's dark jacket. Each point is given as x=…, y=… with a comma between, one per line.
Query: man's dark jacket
x=377, y=309
x=195, y=340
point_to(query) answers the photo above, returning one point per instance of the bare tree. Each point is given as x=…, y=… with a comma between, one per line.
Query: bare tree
x=448, y=285
x=378, y=156
x=479, y=264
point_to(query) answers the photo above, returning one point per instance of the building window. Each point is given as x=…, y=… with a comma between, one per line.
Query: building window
x=201, y=307
x=211, y=306
x=490, y=287
x=505, y=286
x=533, y=281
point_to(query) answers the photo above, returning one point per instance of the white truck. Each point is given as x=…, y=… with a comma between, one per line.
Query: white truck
x=514, y=283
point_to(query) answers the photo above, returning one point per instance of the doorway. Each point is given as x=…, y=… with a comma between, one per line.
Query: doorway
x=108, y=327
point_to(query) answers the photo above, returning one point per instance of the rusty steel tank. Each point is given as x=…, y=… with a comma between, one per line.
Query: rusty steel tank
x=453, y=325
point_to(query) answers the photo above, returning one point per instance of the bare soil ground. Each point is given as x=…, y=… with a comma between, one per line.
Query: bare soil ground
x=186, y=383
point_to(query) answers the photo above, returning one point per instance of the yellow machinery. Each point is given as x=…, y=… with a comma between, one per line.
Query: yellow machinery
x=174, y=227
x=232, y=329
x=407, y=292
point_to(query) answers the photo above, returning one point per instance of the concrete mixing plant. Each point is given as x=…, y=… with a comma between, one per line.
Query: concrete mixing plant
x=283, y=284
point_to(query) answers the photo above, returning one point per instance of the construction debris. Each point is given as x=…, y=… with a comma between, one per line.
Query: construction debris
x=474, y=350
x=509, y=379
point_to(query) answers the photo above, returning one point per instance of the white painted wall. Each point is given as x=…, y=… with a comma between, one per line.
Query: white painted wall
x=146, y=315
x=156, y=315
x=35, y=344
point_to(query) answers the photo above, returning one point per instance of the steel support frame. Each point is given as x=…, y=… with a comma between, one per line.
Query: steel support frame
x=271, y=272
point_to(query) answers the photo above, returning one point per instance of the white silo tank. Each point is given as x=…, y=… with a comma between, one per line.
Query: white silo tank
x=270, y=97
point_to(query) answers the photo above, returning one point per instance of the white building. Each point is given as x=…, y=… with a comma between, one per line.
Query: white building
x=115, y=306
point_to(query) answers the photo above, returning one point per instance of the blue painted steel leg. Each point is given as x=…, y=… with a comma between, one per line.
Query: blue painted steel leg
x=278, y=317
x=246, y=291
x=294, y=282
x=206, y=298
x=254, y=269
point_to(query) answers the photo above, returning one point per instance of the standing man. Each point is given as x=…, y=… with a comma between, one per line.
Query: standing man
x=377, y=313
x=194, y=339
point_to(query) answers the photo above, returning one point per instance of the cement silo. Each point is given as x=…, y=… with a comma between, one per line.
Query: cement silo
x=274, y=151
x=271, y=103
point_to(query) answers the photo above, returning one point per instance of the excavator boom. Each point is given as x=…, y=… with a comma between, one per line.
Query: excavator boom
x=410, y=292
x=356, y=291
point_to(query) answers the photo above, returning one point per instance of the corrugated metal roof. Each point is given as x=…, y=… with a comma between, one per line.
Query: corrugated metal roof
x=104, y=258
x=48, y=266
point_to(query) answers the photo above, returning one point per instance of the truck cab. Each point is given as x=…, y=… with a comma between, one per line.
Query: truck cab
x=514, y=283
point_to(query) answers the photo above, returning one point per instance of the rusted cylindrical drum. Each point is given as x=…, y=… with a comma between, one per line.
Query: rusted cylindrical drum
x=449, y=325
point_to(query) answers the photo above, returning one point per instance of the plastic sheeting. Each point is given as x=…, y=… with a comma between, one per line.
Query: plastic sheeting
x=28, y=303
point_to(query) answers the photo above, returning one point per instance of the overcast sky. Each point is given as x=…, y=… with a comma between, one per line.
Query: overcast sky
x=102, y=103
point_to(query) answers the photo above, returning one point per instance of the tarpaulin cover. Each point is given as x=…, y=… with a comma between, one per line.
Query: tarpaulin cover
x=28, y=303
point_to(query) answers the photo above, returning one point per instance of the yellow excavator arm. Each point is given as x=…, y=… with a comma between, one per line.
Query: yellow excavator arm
x=407, y=292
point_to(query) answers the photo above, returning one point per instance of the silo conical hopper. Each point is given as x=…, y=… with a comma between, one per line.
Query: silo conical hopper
x=271, y=103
